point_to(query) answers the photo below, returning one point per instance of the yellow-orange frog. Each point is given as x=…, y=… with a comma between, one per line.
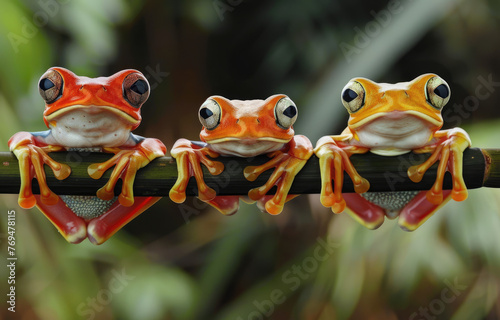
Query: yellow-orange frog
x=243, y=129
x=389, y=120
x=88, y=114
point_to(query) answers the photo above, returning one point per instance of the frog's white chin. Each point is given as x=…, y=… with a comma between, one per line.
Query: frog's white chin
x=394, y=137
x=82, y=129
x=240, y=149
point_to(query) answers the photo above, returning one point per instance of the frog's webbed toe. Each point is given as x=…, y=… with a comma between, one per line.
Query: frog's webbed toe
x=286, y=168
x=189, y=159
x=126, y=163
x=449, y=153
x=334, y=161
x=31, y=161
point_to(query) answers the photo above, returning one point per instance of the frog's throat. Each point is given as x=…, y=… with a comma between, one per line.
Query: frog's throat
x=125, y=116
x=226, y=139
x=420, y=115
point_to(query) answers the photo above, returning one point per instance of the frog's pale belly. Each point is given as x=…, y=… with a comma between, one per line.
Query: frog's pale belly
x=394, y=136
x=81, y=129
x=239, y=148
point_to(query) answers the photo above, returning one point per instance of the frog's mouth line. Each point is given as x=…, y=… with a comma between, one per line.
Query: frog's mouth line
x=93, y=109
x=246, y=141
x=416, y=114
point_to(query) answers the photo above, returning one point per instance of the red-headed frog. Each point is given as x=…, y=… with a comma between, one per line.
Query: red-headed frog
x=390, y=120
x=243, y=129
x=93, y=115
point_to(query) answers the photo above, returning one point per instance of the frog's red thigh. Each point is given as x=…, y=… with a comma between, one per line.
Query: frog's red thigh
x=103, y=227
x=227, y=205
x=72, y=227
x=363, y=211
x=419, y=209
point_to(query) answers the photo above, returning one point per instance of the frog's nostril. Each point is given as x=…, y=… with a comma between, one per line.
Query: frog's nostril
x=258, y=121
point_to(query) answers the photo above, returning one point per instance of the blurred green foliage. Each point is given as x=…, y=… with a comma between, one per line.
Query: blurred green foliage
x=192, y=263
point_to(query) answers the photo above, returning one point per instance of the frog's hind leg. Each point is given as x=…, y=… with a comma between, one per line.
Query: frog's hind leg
x=71, y=227
x=419, y=209
x=227, y=205
x=103, y=227
x=368, y=214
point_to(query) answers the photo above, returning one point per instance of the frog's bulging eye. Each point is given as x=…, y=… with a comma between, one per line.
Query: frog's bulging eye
x=349, y=95
x=50, y=86
x=209, y=114
x=442, y=91
x=437, y=92
x=46, y=84
x=135, y=89
x=285, y=113
x=140, y=87
x=353, y=96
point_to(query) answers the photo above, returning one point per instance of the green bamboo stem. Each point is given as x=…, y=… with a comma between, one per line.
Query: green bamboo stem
x=481, y=169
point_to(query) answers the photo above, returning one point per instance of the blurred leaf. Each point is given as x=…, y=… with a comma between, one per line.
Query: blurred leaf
x=24, y=52
x=155, y=292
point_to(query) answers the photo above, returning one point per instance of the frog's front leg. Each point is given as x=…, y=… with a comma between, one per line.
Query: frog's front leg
x=448, y=150
x=31, y=151
x=189, y=156
x=334, y=158
x=127, y=161
x=287, y=164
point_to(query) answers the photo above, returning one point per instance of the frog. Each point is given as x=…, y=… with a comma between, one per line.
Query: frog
x=391, y=120
x=243, y=128
x=89, y=115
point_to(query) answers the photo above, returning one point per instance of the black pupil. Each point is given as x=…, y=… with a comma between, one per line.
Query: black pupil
x=290, y=112
x=46, y=84
x=140, y=87
x=205, y=113
x=442, y=91
x=349, y=95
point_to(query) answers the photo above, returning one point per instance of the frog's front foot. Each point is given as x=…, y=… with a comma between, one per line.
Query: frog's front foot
x=189, y=157
x=126, y=162
x=287, y=165
x=31, y=161
x=449, y=152
x=333, y=161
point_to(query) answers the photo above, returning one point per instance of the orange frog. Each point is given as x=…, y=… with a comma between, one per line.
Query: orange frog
x=88, y=114
x=390, y=120
x=243, y=129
